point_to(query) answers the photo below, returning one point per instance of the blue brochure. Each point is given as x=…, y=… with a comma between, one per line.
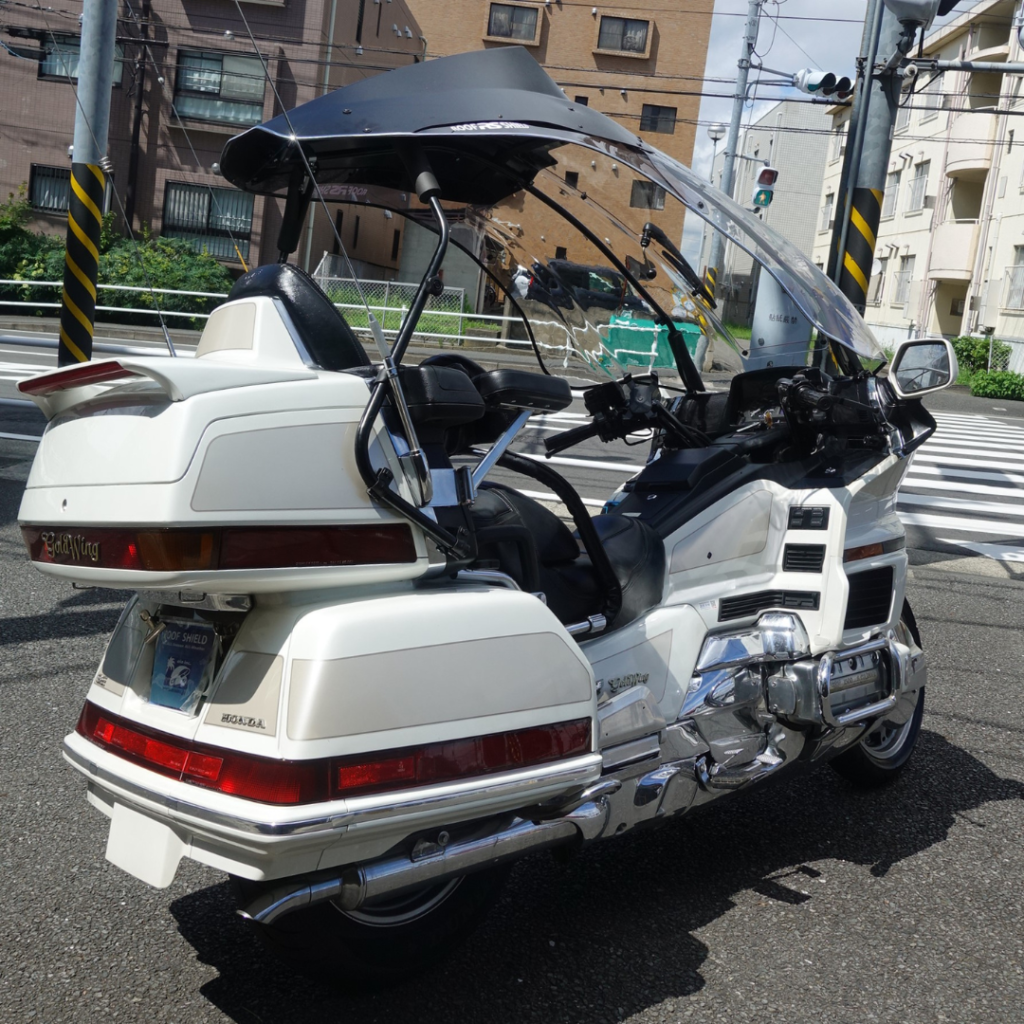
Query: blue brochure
x=184, y=652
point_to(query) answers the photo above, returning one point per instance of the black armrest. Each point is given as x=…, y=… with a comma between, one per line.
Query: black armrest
x=521, y=389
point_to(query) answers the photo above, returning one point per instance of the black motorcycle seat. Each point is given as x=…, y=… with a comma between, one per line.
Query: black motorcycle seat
x=565, y=573
x=321, y=328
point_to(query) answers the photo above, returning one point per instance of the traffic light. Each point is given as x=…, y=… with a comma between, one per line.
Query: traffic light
x=764, y=186
x=919, y=12
x=822, y=83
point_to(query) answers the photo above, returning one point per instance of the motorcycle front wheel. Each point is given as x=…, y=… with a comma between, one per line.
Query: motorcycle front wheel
x=879, y=758
x=385, y=940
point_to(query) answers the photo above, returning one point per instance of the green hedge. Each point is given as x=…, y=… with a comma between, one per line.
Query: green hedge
x=972, y=354
x=998, y=384
x=145, y=263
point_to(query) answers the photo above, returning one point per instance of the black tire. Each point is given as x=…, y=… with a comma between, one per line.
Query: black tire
x=386, y=940
x=881, y=756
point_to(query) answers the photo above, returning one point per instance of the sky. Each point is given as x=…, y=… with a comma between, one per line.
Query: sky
x=793, y=34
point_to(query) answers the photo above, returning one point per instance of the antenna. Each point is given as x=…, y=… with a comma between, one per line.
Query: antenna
x=376, y=329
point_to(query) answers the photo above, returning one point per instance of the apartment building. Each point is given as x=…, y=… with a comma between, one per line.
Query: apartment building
x=949, y=257
x=794, y=138
x=641, y=65
x=186, y=78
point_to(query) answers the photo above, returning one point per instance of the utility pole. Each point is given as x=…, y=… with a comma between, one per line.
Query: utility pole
x=88, y=181
x=729, y=155
x=869, y=161
x=140, y=84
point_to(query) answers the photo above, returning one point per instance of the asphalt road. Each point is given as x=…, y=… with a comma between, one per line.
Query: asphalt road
x=805, y=901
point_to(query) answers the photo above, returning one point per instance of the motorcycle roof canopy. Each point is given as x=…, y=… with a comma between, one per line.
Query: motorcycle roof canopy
x=487, y=120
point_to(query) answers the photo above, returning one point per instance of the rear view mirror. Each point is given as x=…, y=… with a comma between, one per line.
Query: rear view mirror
x=922, y=366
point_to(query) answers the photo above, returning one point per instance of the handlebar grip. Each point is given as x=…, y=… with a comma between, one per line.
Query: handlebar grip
x=567, y=438
x=814, y=399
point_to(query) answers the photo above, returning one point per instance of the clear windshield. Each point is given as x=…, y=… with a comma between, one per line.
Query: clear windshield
x=561, y=269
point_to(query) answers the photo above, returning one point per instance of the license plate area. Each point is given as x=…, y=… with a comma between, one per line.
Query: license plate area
x=184, y=659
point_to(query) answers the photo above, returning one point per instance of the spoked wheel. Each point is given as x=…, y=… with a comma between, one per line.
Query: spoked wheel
x=385, y=940
x=880, y=757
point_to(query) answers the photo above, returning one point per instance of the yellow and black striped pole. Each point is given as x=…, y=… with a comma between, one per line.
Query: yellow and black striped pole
x=81, y=264
x=711, y=279
x=855, y=274
x=85, y=202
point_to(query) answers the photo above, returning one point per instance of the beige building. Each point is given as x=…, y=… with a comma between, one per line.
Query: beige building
x=949, y=257
x=639, y=65
x=793, y=137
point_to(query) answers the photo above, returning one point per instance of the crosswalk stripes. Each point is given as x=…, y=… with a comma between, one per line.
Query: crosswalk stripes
x=965, y=488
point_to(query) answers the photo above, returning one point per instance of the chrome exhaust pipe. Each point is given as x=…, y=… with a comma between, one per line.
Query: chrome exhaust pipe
x=354, y=886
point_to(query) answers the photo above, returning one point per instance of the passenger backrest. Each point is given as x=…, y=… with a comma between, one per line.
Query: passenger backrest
x=321, y=329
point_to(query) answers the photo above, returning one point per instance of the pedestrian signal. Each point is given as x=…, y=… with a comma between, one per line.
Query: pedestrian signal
x=764, y=186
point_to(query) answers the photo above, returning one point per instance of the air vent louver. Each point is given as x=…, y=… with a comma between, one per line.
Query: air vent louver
x=803, y=557
x=870, y=598
x=750, y=604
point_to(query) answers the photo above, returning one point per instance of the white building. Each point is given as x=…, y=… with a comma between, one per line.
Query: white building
x=793, y=138
x=949, y=257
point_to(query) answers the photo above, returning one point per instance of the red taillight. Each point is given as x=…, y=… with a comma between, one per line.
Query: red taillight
x=232, y=547
x=263, y=779
x=459, y=759
x=76, y=377
x=272, y=781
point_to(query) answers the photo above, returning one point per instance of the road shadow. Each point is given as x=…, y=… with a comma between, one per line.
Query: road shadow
x=612, y=932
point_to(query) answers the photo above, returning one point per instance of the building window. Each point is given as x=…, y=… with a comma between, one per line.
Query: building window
x=876, y=289
x=839, y=135
x=509, y=21
x=826, y=212
x=903, y=115
x=658, y=119
x=212, y=219
x=623, y=35
x=61, y=54
x=892, y=192
x=1014, y=298
x=355, y=232
x=904, y=276
x=50, y=188
x=561, y=253
x=219, y=87
x=932, y=98
x=583, y=101
x=572, y=179
x=396, y=240
x=647, y=196
x=918, y=186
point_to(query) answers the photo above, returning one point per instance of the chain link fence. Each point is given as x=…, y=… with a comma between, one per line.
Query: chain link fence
x=447, y=316
x=1006, y=354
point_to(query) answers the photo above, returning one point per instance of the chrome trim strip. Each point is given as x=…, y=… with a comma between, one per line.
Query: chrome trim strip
x=485, y=465
x=385, y=808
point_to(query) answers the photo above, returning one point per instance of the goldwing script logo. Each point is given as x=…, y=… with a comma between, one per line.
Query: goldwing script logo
x=70, y=548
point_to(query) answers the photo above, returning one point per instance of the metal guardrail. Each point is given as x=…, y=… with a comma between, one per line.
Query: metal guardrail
x=450, y=326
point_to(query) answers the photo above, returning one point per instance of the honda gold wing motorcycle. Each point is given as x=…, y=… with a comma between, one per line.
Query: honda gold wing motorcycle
x=367, y=666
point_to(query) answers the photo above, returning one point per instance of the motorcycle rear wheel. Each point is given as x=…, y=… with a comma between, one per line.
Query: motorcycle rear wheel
x=881, y=756
x=385, y=940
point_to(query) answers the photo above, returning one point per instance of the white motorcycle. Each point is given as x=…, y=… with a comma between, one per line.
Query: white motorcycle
x=363, y=673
